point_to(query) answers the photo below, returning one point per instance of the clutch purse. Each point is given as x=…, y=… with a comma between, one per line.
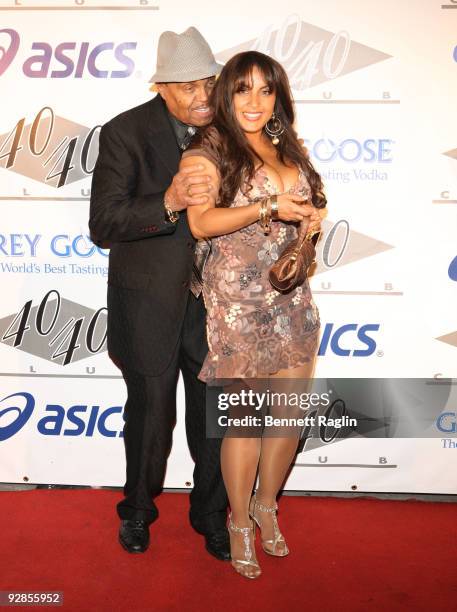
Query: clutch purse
x=291, y=269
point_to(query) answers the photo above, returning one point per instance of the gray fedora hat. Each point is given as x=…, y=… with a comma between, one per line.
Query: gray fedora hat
x=184, y=57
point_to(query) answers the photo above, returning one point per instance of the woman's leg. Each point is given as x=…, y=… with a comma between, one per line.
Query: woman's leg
x=277, y=454
x=239, y=462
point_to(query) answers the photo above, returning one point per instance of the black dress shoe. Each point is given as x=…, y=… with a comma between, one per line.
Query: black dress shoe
x=134, y=536
x=218, y=544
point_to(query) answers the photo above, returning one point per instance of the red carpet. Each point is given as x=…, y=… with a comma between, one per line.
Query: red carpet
x=346, y=555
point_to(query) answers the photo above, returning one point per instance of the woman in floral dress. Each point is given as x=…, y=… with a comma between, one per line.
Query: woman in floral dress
x=254, y=331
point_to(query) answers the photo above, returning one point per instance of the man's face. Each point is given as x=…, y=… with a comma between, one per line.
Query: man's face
x=188, y=102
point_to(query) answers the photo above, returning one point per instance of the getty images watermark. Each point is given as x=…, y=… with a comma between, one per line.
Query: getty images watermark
x=274, y=400
x=332, y=409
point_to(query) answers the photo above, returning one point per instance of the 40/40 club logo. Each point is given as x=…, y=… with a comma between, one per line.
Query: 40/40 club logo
x=68, y=59
x=310, y=54
x=57, y=329
x=51, y=150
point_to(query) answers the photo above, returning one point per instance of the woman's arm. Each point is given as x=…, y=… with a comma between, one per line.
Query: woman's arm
x=205, y=220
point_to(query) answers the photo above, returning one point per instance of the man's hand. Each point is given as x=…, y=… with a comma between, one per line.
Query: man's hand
x=188, y=188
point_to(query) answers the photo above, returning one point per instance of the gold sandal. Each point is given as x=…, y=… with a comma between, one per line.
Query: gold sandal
x=269, y=546
x=242, y=566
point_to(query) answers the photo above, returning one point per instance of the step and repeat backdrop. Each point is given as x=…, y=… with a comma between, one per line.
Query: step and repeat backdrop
x=375, y=86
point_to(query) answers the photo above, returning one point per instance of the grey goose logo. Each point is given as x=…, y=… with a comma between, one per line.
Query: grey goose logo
x=56, y=329
x=310, y=54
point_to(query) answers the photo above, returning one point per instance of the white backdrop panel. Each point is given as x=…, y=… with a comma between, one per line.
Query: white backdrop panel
x=375, y=101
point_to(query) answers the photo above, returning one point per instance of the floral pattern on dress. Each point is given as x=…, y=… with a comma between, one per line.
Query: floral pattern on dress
x=254, y=330
x=268, y=254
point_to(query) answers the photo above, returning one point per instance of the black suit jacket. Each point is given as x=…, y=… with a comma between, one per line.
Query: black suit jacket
x=150, y=261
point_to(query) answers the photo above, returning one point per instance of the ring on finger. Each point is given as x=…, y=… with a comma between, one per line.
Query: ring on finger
x=188, y=191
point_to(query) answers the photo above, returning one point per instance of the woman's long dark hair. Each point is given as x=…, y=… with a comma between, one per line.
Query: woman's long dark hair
x=235, y=155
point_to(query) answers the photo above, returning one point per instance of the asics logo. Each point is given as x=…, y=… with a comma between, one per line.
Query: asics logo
x=19, y=406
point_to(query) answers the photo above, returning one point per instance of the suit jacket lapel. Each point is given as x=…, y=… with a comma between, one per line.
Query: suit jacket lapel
x=162, y=136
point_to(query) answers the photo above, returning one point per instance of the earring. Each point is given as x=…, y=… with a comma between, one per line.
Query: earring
x=275, y=129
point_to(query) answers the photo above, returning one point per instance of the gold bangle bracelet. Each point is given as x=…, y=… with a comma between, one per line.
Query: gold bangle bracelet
x=274, y=207
x=264, y=216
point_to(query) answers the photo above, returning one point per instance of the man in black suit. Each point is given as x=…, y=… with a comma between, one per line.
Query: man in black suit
x=156, y=318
